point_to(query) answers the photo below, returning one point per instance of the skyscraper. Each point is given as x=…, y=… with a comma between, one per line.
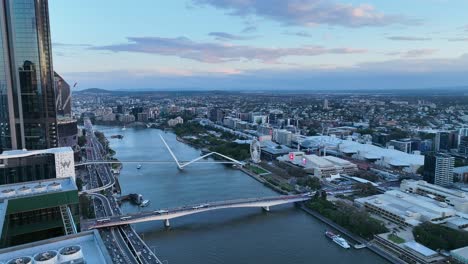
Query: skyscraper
x=28, y=117
x=438, y=169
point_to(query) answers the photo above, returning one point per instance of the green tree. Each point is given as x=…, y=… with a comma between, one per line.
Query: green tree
x=438, y=237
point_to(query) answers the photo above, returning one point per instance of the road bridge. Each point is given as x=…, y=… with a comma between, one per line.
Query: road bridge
x=167, y=214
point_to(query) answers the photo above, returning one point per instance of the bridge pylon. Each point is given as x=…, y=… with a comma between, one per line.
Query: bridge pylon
x=167, y=223
x=266, y=208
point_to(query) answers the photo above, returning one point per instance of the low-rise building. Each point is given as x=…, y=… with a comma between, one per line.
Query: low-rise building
x=407, y=209
x=389, y=158
x=322, y=167
x=456, y=198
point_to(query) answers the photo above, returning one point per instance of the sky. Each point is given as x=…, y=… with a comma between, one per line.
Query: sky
x=260, y=44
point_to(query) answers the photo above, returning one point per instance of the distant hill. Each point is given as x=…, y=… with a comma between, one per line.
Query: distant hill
x=94, y=90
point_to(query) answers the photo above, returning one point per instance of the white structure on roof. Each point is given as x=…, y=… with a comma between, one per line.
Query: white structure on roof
x=322, y=167
x=84, y=247
x=390, y=158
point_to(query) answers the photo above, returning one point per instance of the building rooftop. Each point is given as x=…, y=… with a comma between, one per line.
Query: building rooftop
x=86, y=247
x=19, y=153
x=367, y=151
x=412, y=208
x=23, y=189
x=423, y=250
x=460, y=252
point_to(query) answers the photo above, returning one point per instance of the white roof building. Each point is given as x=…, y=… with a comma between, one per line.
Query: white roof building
x=320, y=166
x=407, y=209
x=456, y=198
x=382, y=156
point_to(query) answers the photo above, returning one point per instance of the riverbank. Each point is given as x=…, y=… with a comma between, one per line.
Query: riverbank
x=353, y=237
x=263, y=181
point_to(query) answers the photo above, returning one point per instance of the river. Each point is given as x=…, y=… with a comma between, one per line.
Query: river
x=284, y=235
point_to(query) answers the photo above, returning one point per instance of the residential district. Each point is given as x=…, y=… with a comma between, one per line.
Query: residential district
x=388, y=172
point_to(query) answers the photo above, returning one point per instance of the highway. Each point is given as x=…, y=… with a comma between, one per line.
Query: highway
x=166, y=214
x=123, y=243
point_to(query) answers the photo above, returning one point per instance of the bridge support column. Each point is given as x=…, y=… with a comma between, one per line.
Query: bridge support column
x=266, y=208
x=167, y=223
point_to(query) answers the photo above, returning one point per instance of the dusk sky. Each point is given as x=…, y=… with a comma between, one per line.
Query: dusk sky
x=261, y=44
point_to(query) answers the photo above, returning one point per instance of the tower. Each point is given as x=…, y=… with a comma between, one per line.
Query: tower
x=29, y=118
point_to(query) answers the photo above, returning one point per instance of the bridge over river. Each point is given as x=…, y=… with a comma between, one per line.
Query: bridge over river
x=166, y=214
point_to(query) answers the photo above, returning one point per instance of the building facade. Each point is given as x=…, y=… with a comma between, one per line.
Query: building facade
x=27, y=104
x=35, y=210
x=18, y=166
x=438, y=169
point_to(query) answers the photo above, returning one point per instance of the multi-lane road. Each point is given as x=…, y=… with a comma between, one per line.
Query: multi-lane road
x=123, y=243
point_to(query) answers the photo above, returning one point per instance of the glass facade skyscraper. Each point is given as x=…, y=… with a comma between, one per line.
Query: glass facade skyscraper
x=28, y=119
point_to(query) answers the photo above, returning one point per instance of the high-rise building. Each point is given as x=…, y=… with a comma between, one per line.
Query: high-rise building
x=63, y=93
x=27, y=104
x=325, y=104
x=462, y=132
x=463, y=146
x=438, y=169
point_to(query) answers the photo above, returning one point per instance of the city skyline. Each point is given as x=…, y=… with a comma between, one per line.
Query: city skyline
x=202, y=44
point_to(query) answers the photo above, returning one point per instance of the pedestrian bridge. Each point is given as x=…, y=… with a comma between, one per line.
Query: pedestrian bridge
x=167, y=214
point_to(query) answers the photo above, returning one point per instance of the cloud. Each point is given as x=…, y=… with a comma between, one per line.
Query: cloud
x=249, y=29
x=407, y=38
x=303, y=34
x=227, y=36
x=309, y=12
x=217, y=52
x=414, y=53
x=59, y=44
x=392, y=74
x=457, y=39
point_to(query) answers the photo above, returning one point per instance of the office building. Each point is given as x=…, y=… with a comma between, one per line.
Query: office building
x=463, y=146
x=274, y=116
x=142, y=117
x=462, y=132
x=438, y=169
x=67, y=132
x=282, y=136
x=217, y=115
x=38, y=210
x=17, y=166
x=27, y=104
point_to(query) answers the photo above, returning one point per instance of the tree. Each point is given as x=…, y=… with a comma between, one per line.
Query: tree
x=438, y=237
x=365, y=189
x=323, y=194
x=79, y=184
x=81, y=141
